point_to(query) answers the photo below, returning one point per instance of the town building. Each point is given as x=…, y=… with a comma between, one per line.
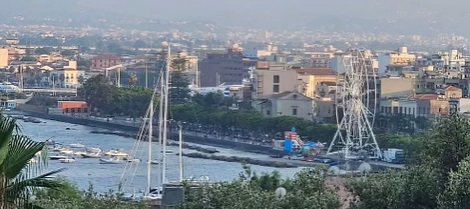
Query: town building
x=396, y=58
x=105, y=61
x=4, y=58
x=269, y=79
x=229, y=68
x=313, y=77
x=288, y=103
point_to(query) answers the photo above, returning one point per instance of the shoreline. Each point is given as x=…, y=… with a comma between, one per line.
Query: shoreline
x=133, y=129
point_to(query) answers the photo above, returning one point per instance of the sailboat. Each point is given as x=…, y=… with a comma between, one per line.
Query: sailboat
x=153, y=195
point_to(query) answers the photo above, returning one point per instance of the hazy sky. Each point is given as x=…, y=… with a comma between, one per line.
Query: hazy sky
x=257, y=13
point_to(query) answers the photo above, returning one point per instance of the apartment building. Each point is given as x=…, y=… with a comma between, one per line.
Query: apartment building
x=105, y=61
x=313, y=77
x=229, y=68
x=401, y=57
x=270, y=79
x=4, y=58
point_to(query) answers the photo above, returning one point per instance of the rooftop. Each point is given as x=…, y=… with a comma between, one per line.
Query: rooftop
x=316, y=71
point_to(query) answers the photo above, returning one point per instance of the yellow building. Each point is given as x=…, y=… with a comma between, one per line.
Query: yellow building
x=71, y=75
x=272, y=79
x=401, y=57
x=4, y=58
x=396, y=58
x=313, y=77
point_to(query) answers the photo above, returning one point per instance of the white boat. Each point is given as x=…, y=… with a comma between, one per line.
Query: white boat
x=93, y=149
x=134, y=160
x=111, y=161
x=57, y=149
x=66, y=152
x=77, y=145
x=79, y=153
x=154, y=194
x=116, y=153
x=155, y=162
x=91, y=155
x=57, y=157
x=67, y=160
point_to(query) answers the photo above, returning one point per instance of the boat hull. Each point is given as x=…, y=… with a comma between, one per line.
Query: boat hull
x=104, y=161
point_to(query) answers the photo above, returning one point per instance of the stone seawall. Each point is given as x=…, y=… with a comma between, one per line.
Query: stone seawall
x=130, y=128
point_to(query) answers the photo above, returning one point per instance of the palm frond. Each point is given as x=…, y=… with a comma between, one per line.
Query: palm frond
x=21, y=190
x=21, y=150
x=8, y=126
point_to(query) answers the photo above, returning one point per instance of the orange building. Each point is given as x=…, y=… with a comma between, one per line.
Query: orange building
x=73, y=107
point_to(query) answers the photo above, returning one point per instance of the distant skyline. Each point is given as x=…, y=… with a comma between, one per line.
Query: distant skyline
x=418, y=16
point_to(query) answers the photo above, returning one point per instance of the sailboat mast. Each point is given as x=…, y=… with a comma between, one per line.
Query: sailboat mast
x=165, y=112
x=180, y=136
x=150, y=133
x=160, y=128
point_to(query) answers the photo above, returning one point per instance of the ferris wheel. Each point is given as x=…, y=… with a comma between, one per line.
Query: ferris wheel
x=356, y=104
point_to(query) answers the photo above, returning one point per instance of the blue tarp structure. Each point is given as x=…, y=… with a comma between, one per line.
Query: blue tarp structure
x=288, y=145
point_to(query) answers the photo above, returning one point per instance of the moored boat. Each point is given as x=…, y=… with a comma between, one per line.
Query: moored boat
x=111, y=161
x=67, y=160
x=57, y=157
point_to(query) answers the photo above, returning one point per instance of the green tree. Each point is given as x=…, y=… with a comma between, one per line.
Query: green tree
x=139, y=44
x=307, y=189
x=179, y=91
x=68, y=53
x=436, y=178
x=132, y=80
x=28, y=59
x=74, y=198
x=457, y=189
x=447, y=144
x=43, y=50
x=98, y=93
x=18, y=177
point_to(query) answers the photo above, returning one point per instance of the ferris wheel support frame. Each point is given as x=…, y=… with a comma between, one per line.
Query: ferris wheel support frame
x=355, y=130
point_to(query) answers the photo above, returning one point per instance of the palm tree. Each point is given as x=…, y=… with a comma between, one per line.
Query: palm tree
x=18, y=177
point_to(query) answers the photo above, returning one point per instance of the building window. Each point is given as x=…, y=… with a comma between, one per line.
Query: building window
x=276, y=79
x=275, y=88
x=294, y=111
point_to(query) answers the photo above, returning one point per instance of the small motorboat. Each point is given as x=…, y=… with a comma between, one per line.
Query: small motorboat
x=67, y=160
x=167, y=151
x=91, y=155
x=57, y=157
x=155, y=162
x=79, y=153
x=93, y=149
x=117, y=153
x=57, y=149
x=135, y=160
x=77, y=145
x=66, y=152
x=111, y=161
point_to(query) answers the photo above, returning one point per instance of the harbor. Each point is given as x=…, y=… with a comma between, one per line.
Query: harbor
x=86, y=171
